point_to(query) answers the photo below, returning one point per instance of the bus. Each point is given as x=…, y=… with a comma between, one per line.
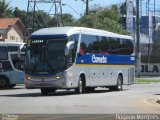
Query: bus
x=12, y=56
x=78, y=58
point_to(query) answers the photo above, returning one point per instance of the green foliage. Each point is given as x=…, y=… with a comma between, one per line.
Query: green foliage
x=145, y=81
x=68, y=20
x=21, y=14
x=123, y=8
x=5, y=10
x=104, y=18
x=101, y=18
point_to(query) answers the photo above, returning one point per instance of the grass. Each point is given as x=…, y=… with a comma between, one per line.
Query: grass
x=142, y=81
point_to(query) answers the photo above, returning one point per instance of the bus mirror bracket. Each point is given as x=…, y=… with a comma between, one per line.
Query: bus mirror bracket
x=69, y=46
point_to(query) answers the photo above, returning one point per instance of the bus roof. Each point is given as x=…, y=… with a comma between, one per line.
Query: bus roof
x=67, y=31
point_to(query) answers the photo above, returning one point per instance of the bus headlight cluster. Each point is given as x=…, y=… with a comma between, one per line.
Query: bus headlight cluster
x=59, y=75
x=27, y=77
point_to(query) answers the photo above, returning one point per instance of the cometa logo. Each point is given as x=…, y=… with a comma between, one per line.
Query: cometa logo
x=99, y=59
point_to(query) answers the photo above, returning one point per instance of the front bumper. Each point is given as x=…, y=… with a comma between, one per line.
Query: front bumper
x=43, y=82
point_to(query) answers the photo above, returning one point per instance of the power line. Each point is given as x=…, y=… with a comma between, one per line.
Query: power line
x=87, y=5
x=32, y=6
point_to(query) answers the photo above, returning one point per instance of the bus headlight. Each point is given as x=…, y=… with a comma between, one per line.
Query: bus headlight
x=59, y=75
x=27, y=77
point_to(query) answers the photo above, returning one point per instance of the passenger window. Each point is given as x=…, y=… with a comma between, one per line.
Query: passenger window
x=104, y=46
x=72, y=53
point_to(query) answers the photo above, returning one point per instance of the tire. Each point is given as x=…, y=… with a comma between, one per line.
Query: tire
x=12, y=85
x=119, y=83
x=4, y=82
x=90, y=89
x=46, y=91
x=118, y=87
x=81, y=87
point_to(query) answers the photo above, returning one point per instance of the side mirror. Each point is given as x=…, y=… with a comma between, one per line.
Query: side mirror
x=70, y=45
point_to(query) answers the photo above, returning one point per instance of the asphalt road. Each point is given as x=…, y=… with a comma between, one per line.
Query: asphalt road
x=134, y=99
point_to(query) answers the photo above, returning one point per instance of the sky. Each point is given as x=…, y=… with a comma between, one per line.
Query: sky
x=74, y=7
x=77, y=7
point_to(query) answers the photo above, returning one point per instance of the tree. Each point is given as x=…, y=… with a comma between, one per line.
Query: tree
x=21, y=14
x=123, y=9
x=104, y=18
x=5, y=10
x=68, y=20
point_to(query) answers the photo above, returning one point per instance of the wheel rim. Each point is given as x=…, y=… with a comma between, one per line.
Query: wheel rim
x=80, y=86
x=119, y=83
x=2, y=82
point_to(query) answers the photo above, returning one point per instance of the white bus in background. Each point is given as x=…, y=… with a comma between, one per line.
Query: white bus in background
x=78, y=58
x=11, y=64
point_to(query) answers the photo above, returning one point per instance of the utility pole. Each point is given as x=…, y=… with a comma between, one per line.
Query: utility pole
x=33, y=22
x=154, y=21
x=87, y=5
x=138, y=52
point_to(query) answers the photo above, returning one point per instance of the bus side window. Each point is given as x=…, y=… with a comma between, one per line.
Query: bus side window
x=81, y=51
x=82, y=48
x=89, y=44
x=16, y=61
x=83, y=45
x=71, y=56
x=74, y=38
x=129, y=46
x=104, y=46
x=3, y=53
x=72, y=52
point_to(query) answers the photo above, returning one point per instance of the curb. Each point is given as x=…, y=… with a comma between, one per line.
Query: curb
x=152, y=101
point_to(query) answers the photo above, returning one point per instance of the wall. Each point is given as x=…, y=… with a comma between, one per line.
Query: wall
x=14, y=34
x=150, y=69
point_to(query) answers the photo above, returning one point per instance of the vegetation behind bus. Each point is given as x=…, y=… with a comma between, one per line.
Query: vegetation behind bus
x=106, y=18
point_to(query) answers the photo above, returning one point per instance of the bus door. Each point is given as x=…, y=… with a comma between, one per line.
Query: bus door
x=18, y=74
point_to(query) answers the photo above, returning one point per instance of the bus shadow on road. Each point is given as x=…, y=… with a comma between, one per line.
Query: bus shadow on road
x=57, y=93
x=10, y=89
x=157, y=94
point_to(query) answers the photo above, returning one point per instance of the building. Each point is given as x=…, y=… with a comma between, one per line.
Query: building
x=12, y=30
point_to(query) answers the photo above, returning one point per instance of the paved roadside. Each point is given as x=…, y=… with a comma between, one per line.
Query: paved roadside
x=148, y=78
x=154, y=100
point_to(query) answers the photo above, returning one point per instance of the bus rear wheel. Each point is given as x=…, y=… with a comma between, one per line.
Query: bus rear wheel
x=4, y=82
x=119, y=83
x=118, y=87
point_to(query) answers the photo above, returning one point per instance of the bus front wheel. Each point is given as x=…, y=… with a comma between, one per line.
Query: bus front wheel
x=81, y=87
x=44, y=92
x=12, y=85
x=4, y=82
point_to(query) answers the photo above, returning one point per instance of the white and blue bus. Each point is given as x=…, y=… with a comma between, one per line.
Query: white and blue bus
x=78, y=58
x=12, y=55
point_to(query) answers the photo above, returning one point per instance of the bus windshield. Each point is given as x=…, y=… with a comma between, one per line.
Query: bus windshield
x=45, y=56
x=3, y=53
